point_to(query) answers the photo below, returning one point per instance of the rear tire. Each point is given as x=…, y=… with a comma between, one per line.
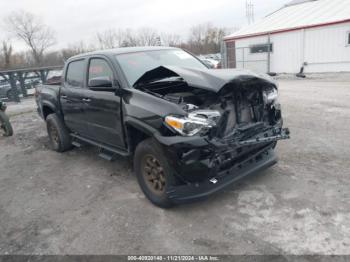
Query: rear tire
x=153, y=173
x=5, y=124
x=58, y=133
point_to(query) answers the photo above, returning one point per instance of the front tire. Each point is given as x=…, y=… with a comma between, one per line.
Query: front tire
x=153, y=173
x=5, y=124
x=58, y=133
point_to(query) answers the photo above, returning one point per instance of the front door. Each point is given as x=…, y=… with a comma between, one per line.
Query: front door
x=103, y=109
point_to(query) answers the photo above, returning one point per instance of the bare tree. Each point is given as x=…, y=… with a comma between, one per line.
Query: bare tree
x=123, y=38
x=130, y=38
x=110, y=39
x=171, y=39
x=76, y=49
x=14, y=59
x=148, y=37
x=7, y=53
x=205, y=38
x=30, y=29
x=53, y=58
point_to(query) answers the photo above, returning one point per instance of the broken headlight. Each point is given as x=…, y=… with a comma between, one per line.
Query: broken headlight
x=194, y=123
x=270, y=96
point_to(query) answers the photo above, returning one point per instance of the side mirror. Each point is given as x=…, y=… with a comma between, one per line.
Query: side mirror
x=121, y=92
x=101, y=84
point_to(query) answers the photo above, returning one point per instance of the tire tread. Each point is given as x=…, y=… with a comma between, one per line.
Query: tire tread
x=150, y=146
x=63, y=132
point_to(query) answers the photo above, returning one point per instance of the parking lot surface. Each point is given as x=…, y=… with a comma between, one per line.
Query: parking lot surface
x=77, y=203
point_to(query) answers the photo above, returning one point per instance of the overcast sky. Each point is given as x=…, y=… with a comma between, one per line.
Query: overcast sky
x=76, y=20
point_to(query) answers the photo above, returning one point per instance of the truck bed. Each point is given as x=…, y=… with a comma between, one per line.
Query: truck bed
x=47, y=95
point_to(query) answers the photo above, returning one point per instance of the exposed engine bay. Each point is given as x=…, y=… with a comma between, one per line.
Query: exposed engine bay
x=241, y=107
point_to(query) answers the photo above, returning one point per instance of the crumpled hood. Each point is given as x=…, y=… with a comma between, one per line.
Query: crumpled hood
x=209, y=79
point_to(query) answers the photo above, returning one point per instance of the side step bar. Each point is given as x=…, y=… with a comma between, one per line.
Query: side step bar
x=106, y=152
x=76, y=144
x=106, y=155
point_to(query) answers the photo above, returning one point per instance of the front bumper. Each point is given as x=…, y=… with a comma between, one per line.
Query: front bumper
x=206, y=166
x=197, y=191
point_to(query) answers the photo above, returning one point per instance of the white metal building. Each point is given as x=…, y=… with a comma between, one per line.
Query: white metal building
x=313, y=33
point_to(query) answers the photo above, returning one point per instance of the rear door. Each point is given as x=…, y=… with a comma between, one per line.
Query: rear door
x=103, y=111
x=71, y=97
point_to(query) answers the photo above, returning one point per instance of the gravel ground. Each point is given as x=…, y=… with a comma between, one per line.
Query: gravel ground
x=77, y=203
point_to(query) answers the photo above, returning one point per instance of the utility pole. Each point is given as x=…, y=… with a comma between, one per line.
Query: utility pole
x=249, y=11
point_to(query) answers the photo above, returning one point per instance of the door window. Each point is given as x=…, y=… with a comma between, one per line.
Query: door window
x=75, y=73
x=99, y=68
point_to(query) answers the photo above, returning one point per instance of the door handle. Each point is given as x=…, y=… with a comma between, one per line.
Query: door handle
x=64, y=97
x=86, y=99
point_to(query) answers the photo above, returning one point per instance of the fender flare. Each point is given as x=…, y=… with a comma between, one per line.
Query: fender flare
x=141, y=126
x=51, y=106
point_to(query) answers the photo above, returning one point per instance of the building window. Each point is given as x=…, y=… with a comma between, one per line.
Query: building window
x=348, y=38
x=261, y=48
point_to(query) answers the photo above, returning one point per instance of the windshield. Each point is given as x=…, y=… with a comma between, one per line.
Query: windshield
x=134, y=65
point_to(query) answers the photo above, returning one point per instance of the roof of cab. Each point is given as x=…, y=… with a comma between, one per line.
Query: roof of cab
x=123, y=50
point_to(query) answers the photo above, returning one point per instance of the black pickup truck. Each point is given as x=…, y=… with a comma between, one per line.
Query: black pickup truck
x=191, y=130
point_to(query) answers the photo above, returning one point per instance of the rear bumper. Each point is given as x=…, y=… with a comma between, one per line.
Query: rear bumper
x=197, y=191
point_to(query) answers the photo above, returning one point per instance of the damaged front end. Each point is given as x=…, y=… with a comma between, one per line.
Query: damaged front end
x=231, y=123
